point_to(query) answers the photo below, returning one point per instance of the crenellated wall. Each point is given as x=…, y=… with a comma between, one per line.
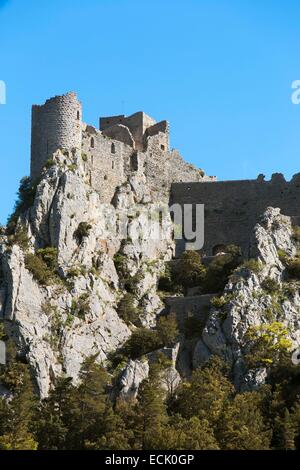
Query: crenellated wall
x=232, y=208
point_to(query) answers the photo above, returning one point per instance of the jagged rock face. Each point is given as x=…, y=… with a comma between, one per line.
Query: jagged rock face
x=54, y=339
x=250, y=305
x=136, y=371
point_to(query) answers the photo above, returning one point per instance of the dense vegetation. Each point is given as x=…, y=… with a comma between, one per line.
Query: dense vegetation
x=190, y=271
x=205, y=412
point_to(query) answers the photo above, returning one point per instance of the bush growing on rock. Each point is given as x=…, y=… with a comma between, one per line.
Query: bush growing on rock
x=49, y=256
x=19, y=237
x=82, y=231
x=268, y=344
x=127, y=309
x=39, y=269
x=293, y=267
x=167, y=330
x=220, y=269
x=143, y=340
x=25, y=199
x=193, y=326
x=49, y=163
x=190, y=271
x=296, y=234
x=165, y=282
x=270, y=285
x=80, y=307
x=43, y=265
x=253, y=265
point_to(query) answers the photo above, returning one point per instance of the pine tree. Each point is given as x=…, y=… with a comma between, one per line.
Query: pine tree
x=151, y=409
x=205, y=395
x=241, y=425
x=54, y=416
x=18, y=412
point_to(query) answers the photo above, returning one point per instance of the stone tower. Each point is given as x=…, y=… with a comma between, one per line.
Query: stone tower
x=55, y=125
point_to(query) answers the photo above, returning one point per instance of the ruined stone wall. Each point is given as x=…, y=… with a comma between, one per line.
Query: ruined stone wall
x=161, y=129
x=183, y=307
x=232, y=208
x=137, y=124
x=55, y=125
x=162, y=168
x=105, y=161
x=109, y=121
x=125, y=146
x=121, y=133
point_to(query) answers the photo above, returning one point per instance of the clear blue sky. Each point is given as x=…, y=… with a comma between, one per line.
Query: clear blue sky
x=219, y=70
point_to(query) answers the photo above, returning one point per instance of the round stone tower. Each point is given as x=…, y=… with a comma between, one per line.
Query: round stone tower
x=55, y=125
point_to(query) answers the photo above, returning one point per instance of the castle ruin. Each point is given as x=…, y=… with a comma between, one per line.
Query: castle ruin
x=136, y=144
x=120, y=147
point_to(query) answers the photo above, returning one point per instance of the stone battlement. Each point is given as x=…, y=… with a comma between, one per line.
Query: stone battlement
x=232, y=208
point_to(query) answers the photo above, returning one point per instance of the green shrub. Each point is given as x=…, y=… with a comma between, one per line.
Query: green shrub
x=253, y=265
x=82, y=231
x=26, y=195
x=268, y=344
x=49, y=163
x=84, y=157
x=72, y=167
x=80, y=307
x=76, y=271
x=165, y=281
x=142, y=341
x=293, y=267
x=39, y=269
x=296, y=234
x=130, y=283
x=167, y=330
x=127, y=309
x=270, y=285
x=193, y=326
x=120, y=263
x=220, y=269
x=168, y=282
x=43, y=265
x=189, y=271
x=219, y=302
x=19, y=237
x=282, y=256
x=49, y=256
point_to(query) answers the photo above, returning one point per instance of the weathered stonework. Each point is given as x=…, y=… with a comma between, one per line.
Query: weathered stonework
x=122, y=147
x=55, y=125
x=233, y=207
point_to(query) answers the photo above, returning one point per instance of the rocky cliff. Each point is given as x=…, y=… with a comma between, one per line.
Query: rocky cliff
x=260, y=298
x=66, y=266
x=58, y=320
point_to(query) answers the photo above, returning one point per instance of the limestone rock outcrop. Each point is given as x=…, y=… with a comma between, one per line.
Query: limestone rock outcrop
x=247, y=303
x=56, y=326
x=136, y=371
